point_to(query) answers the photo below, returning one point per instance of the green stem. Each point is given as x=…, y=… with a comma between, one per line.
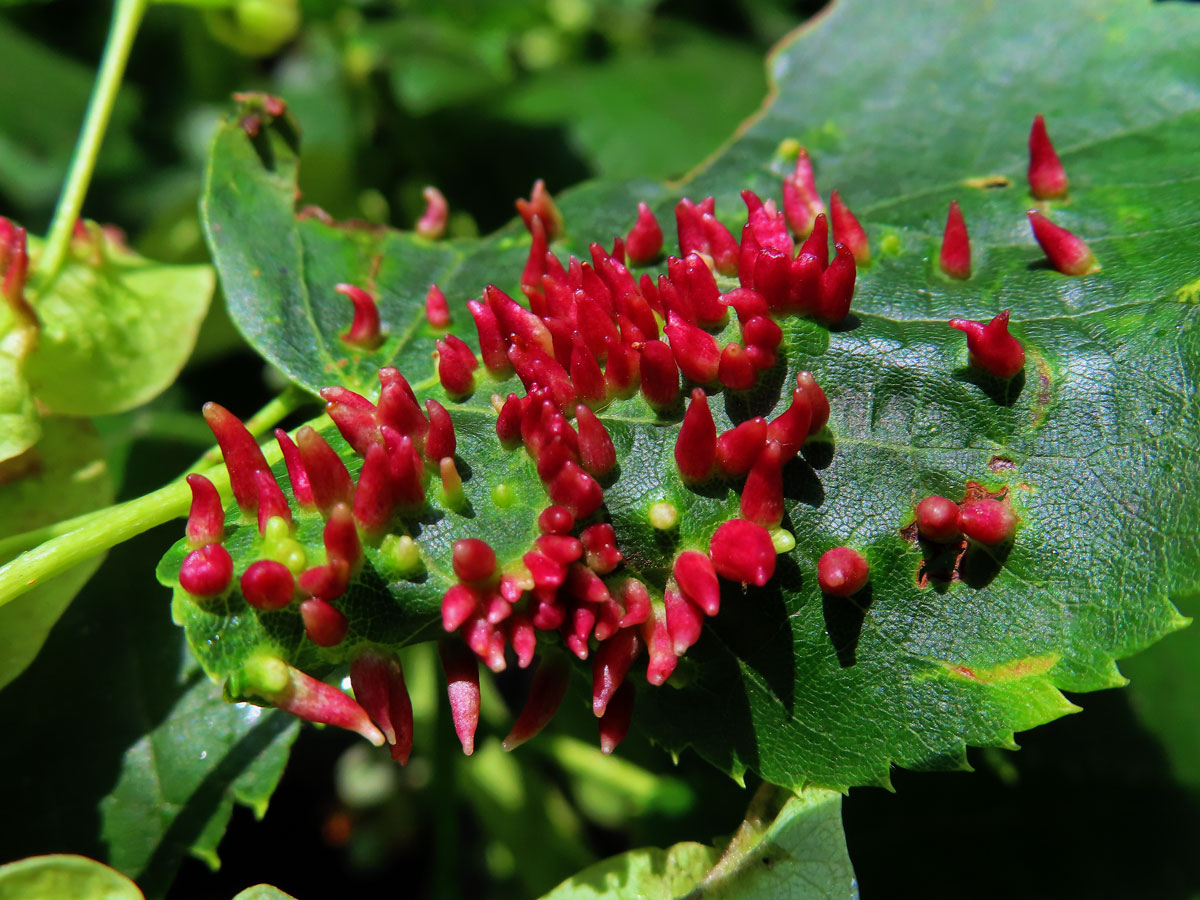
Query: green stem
x=65, y=544
x=127, y=16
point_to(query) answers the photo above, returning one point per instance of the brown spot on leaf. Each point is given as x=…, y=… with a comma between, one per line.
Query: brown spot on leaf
x=1001, y=464
x=312, y=211
x=251, y=124
x=976, y=491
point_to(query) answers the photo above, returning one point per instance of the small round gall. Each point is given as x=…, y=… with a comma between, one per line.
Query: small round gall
x=987, y=522
x=842, y=572
x=937, y=519
x=268, y=585
x=473, y=560
x=206, y=571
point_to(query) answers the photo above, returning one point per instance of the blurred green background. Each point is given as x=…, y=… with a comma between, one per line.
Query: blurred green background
x=480, y=98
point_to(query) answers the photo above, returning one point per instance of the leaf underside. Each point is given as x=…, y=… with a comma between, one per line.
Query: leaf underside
x=1091, y=445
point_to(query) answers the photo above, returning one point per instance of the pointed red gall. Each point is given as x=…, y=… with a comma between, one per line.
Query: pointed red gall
x=462, y=687
x=590, y=385
x=241, y=452
x=206, y=571
x=623, y=371
x=375, y=494
x=696, y=352
x=696, y=577
x=459, y=603
x=738, y=448
x=685, y=620
x=206, y=517
x=596, y=452
x=689, y=227
x=324, y=624
x=991, y=347
x=546, y=692
x=737, y=370
x=817, y=243
x=790, y=429
x=437, y=310
x=327, y=475
x=541, y=204
x=848, y=231
x=584, y=584
x=660, y=376
x=635, y=601
x=702, y=290
x=804, y=284
x=987, y=521
x=432, y=224
x=722, y=246
x=398, y=407
x=535, y=265
x=341, y=538
x=320, y=703
x=407, y=470
x=508, y=421
x=762, y=496
x=454, y=370
x=801, y=202
x=545, y=571
x=772, y=277
x=748, y=252
x=618, y=714
x=357, y=423
x=1047, y=177
x=378, y=683
x=523, y=638
x=696, y=445
x=818, y=403
x=837, y=287
x=268, y=585
x=440, y=442
x=762, y=331
x=271, y=501
x=578, y=628
x=842, y=572
x=329, y=581
x=937, y=519
x=658, y=643
x=492, y=345
x=645, y=240
x=611, y=663
x=769, y=224
x=364, y=332
x=955, y=257
x=514, y=319
x=748, y=303
x=742, y=551
x=1066, y=252
x=575, y=489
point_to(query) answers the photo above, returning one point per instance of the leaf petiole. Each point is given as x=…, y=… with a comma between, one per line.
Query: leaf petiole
x=58, y=547
x=127, y=17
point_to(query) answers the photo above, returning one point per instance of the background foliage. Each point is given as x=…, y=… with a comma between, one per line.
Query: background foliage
x=479, y=99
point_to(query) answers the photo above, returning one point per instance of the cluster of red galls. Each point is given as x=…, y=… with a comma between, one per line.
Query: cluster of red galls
x=591, y=333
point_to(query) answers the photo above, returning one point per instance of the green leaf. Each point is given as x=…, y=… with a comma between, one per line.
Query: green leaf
x=61, y=875
x=263, y=892
x=614, y=110
x=19, y=427
x=800, y=852
x=116, y=329
x=64, y=476
x=649, y=872
x=151, y=736
x=1090, y=447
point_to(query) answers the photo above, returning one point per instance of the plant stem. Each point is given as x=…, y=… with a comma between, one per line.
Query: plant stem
x=127, y=16
x=69, y=543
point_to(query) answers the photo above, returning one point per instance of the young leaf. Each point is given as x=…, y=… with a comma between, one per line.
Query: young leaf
x=115, y=328
x=64, y=875
x=1088, y=444
x=63, y=476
